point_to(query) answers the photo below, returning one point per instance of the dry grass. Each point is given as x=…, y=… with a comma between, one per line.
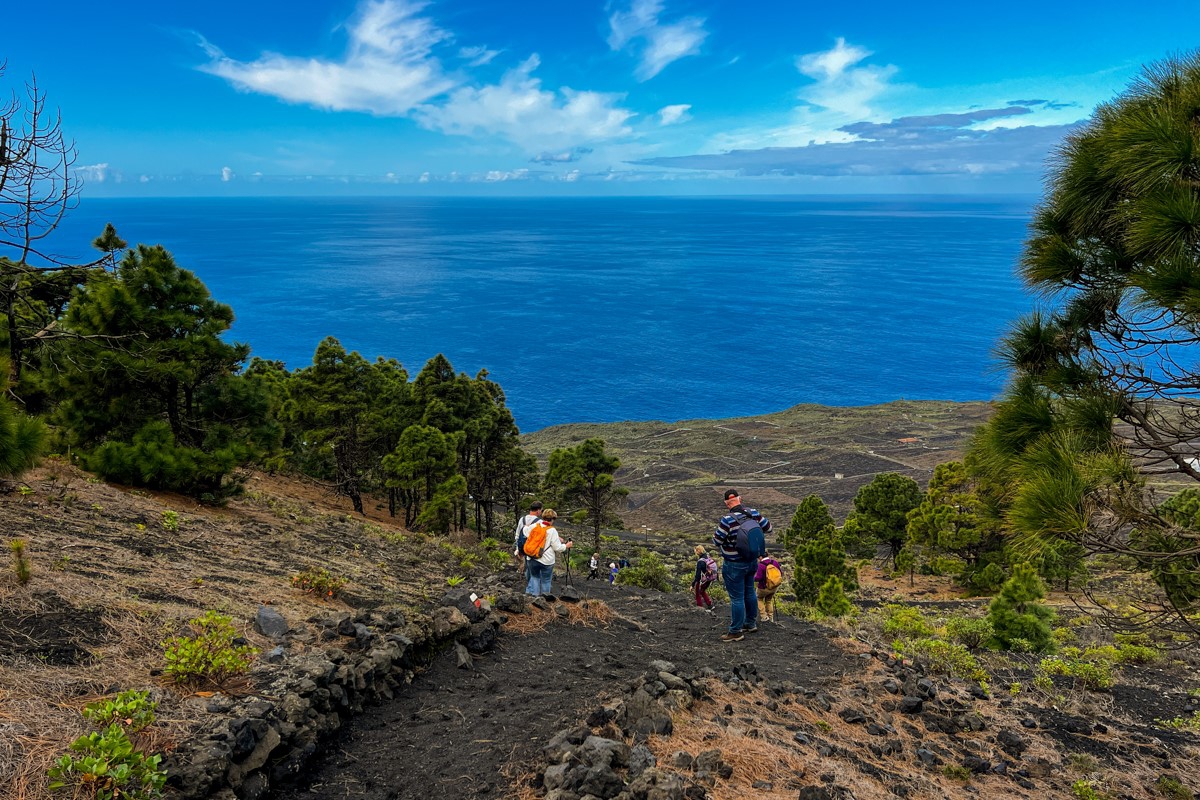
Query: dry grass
x=109, y=577
x=591, y=613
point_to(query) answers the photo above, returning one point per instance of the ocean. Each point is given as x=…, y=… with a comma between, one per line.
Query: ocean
x=607, y=309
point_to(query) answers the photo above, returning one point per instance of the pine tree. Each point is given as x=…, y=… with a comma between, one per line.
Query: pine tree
x=582, y=476
x=832, y=600
x=20, y=436
x=148, y=391
x=881, y=509
x=810, y=517
x=818, y=558
x=1017, y=618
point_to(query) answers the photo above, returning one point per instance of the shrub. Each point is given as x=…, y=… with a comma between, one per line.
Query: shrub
x=818, y=558
x=647, y=572
x=945, y=658
x=1016, y=614
x=1171, y=787
x=318, y=582
x=108, y=766
x=210, y=655
x=133, y=710
x=170, y=521
x=906, y=621
x=988, y=580
x=1094, y=676
x=970, y=632
x=20, y=561
x=832, y=600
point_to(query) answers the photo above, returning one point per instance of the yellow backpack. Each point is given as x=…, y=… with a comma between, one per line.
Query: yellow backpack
x=773, y=577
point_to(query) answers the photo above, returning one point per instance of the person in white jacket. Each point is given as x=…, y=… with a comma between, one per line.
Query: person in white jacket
x=523, y=525
x=541, y=570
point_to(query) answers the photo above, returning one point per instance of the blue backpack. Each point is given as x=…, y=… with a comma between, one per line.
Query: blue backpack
x=751, y=542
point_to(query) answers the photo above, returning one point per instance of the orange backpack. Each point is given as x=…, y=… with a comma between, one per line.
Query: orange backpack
x=773, y=577
x=535, y=540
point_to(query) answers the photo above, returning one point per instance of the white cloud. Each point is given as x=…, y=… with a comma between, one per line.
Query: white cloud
x=498, y=176
x=669, y=115
x=657, y=45
x=97, y=173
x=388, y=68
x=520, y=110
x=571, y=177
x=840, y=84
x=226, y=174
x=477, y=56
x=424, y=178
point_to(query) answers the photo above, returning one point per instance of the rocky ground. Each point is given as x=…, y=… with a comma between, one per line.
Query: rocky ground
x=795, y=710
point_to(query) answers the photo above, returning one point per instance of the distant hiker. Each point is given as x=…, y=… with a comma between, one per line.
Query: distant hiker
x=523, y=524
x=768, y=578
x=541, y=545
x=612, y=572
x=741, y=539
x=706, y=573
x=594, y=568
x=623, y=563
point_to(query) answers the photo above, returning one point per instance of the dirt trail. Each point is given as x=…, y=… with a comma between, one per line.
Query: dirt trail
x=452, y=731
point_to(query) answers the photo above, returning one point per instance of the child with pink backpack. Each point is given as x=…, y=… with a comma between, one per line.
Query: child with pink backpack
x=706, y=573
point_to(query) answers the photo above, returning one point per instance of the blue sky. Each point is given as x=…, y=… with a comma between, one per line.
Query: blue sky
x=578, y=96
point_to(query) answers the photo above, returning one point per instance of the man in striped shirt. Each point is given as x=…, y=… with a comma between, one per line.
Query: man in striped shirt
x=739, y=566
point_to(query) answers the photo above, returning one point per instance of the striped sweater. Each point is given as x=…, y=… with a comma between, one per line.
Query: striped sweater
x=725, y=537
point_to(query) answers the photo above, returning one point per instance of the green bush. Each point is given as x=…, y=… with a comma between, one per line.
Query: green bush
x=988, y=580
x=1095, y=676
x=832, y=600
x=1015, y=613
x=132, y=710
x=108, y=766
x=906, y=621
x=319, y=582
x=1172, y=788
x=210, y=655
x=971, y=632
x=647, y=572
x=944, y=658
x=817, y=558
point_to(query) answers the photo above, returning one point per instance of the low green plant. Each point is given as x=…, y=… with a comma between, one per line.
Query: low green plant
x=647, y=572
x=319, y=582
x=20, y=561
x=170, y=521
x=823, y=725
x=906, y=621
x=210, y=655
x=1083, y=763
x=1084, y=790
x=498, y=559
x=971, y=632
x=944, y=658
x=1191, y=723
x=957, y=772
x=24, y=490
x=455, y=580
x=132, y=710
x=108, y=766
x=1014, y=688
x=1171, y=787
x=466, y=557
x=1095, y=676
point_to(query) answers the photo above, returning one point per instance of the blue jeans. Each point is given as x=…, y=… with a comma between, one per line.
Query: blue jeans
x=540, y=576
x=743, y=603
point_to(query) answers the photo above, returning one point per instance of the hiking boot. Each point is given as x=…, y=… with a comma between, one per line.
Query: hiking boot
x=732, y=637
x=750, y=629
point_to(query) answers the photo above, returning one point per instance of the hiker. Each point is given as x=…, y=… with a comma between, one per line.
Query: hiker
x=612, y=572
x=594, y=568
x=543, y=536
x=706, y=573
x=623, y=563
x=535, y=513
x=740, y=538
x=768, y=578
